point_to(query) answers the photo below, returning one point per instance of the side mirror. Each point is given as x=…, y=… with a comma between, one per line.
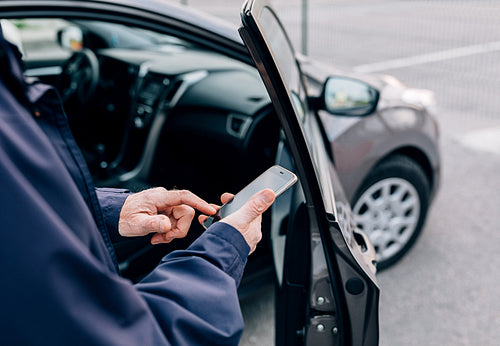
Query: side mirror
x=347, y=97
x=70, y=37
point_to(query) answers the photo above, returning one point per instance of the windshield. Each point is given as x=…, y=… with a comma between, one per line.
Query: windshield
x=38, y=37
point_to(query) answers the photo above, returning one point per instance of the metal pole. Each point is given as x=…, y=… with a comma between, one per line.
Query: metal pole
x=304, y=26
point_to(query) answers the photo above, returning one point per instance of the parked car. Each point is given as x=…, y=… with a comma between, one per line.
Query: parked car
x=158, y=94
x=387, y=158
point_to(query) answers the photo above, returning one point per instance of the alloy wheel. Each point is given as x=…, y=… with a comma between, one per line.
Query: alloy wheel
x=388, y=212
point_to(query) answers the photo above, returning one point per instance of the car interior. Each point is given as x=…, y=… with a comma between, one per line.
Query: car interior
x=149, y=109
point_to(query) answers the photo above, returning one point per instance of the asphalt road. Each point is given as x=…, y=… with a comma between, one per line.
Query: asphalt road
x=446, y=290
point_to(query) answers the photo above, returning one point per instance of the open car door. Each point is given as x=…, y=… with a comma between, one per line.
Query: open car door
x=326, y=288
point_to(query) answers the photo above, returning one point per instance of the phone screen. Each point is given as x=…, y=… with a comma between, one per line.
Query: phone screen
x=275, y=178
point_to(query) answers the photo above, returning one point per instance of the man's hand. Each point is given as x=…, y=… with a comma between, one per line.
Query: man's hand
x=166, y=213
x=247, y=220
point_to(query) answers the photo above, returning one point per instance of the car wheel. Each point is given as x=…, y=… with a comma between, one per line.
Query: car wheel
x=391, y=206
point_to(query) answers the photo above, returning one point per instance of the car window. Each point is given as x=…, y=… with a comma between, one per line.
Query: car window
x=285, y=57
x=36, y=38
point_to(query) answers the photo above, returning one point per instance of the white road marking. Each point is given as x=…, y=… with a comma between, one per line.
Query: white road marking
x=429, y=58
x=487, y=140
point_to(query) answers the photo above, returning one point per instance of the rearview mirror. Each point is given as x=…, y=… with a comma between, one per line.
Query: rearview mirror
x=348, y=97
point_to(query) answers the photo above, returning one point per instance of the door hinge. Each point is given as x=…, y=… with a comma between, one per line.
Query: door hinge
x=322, y=330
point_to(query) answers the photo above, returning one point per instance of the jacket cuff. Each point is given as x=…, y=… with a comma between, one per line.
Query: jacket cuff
x=111, y=201
x=225, y=247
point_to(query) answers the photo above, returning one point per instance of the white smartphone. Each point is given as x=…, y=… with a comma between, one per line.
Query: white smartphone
x=275, y=178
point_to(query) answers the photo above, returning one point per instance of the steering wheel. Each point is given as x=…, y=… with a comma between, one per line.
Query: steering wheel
x=79, y=77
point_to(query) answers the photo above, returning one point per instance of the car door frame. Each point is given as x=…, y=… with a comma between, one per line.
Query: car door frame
x=352, y=280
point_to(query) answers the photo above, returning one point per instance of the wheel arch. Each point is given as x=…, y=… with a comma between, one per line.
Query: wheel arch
x=416, y=155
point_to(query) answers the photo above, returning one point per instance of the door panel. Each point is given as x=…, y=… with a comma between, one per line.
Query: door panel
x=289, y=240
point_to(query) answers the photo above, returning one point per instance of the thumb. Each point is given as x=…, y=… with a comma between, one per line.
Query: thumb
x=155, y=223
x=255, y=206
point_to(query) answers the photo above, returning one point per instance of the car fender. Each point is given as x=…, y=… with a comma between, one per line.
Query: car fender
x=360, y=143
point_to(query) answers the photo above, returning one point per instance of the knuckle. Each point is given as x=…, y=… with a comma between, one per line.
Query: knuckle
x=259, y=236
x=161, y=190
x=184, y=210
x=259, y=206
x=183, y=193
x=155, y=192
x=151, y=224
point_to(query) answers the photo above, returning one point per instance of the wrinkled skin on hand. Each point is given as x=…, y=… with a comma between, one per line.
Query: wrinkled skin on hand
x=167, y=214
x=247, y=220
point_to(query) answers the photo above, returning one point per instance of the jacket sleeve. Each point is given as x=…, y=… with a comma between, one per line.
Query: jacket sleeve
x=209, y=270
x=192, y=289
x=64, y=295
x=111, y=201
x=56, y=287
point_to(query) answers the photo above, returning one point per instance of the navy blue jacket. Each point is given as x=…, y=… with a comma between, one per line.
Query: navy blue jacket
x=59, y=282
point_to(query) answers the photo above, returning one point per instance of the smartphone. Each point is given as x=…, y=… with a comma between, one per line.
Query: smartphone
x=275, y=178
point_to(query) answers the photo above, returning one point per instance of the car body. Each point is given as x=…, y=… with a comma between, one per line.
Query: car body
x=393, y=147
x=158, y=94
x=398, y=140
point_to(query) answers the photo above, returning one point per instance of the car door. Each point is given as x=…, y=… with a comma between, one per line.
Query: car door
x=327, y=292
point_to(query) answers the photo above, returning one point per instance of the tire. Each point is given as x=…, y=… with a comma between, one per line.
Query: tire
x=391, y=207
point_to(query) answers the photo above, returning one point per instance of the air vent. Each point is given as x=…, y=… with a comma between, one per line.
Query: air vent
x=237, y=125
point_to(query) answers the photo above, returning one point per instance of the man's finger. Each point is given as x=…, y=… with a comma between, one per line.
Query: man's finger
x=161, y=238
x=158, y=224
x=165, y=199
x=184, y=216
x=226, y=197
x=255, y=206
x=202, y=218
x=142, y=224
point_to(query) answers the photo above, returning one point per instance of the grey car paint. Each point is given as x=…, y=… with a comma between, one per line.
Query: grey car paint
x=360, y=143
x=396, y=126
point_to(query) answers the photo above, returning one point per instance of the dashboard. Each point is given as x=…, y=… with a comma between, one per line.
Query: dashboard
x=174, y=116
x=149, y=109
x=177, y=117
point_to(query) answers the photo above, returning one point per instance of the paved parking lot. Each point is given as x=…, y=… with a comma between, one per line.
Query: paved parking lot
x=445, y=291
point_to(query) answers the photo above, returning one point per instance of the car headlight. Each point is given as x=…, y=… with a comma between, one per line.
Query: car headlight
x=421, y=97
